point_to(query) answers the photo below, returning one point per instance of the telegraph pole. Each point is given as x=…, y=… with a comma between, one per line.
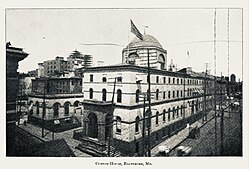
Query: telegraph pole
x=221, y=122
x=215, y=114
x=143, y=126
x=44, y=110
x=149, y=107
x=110, y=122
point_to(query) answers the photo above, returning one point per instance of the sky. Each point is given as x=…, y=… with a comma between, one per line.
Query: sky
x=47, y=33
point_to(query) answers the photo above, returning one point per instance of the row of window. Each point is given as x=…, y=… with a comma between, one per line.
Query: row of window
x=174, y=80
x=175, y=94
x=104, y=95
x=166, y=115
x=56, y=107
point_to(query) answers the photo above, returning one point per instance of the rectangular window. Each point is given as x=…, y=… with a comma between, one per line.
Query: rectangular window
x=169, y=80
x=157, y=79
x=164, y=95
x=169, y=94
x=164, y=80
x=173, y=94
x=173, y=80
x=177, y=93
x=91, y=77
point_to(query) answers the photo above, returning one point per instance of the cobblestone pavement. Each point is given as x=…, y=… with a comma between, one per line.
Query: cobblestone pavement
x=66, y=135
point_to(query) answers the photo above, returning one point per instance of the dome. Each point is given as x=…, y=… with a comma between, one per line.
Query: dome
x=148, y=40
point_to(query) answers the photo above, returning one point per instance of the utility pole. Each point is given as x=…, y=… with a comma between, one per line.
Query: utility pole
x=110, y=121
x=149, y=107
x=143, y=125
x=222, y=122
x=204, y=118
x=44, y=110
x=215, y=114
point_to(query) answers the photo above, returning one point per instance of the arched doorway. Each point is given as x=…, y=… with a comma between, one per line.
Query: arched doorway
x=92, y=126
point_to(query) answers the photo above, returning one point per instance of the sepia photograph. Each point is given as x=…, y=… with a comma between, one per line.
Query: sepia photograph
x=151, y=83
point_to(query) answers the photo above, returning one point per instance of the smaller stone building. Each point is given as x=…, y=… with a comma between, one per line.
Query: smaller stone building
x=63, y=99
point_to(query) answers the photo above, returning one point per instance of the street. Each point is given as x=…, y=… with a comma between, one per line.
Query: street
x=206, y=144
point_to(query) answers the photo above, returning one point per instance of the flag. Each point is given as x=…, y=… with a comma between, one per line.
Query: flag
x=135, y=31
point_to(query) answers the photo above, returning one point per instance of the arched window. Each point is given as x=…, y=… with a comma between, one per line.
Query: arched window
x=104, y=79
x=137, y=96
x=164, y=115
x=173, y=115
x=137, y=121
x=169, y=110
x=37, y=108
x=66, y=108
x=157, y=94
x=162, y=61
x=119, y=96
x=104, y=94
x=157, y=118
x=181, y=110
x=56, y=107
x=164, y=95
x=177, y=111
x=90, y=93
x=118, y=124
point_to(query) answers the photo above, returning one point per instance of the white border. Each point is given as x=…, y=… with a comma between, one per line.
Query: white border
x=193, y=162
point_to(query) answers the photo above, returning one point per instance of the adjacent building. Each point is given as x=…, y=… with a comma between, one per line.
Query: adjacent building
x=13, y=56
x=59, y=66
x=62, y=98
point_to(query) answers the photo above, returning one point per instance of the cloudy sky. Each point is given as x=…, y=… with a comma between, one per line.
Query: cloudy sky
x=47, y=33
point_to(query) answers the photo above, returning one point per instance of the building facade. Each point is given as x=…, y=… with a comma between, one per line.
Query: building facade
x=13, y=56
x=114, y=109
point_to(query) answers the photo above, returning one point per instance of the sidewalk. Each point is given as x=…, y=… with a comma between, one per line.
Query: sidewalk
x=66, y=135
x=176, y=139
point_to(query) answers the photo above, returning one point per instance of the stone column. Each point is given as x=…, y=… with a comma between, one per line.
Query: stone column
x=101, y=132
x=85, y=127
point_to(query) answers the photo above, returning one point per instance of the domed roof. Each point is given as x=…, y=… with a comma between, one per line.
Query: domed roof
x=148, y=40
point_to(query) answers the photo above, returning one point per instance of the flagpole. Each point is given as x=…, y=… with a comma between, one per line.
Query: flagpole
x=128, y=39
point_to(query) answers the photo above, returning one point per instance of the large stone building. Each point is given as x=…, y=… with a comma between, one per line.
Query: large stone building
x=13, y=56
x=114, y=113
